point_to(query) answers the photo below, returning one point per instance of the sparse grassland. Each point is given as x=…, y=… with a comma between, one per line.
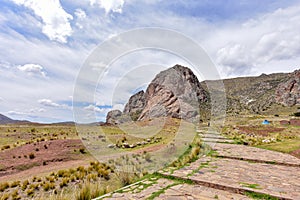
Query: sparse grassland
x=248, y=130
x=36, y=149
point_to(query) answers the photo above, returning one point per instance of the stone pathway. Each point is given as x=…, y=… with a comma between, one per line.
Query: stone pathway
x=169, y=189
x=237, y=175
x=231, y=172
x=254, y=154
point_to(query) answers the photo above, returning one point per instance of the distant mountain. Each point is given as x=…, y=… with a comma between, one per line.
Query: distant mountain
x=67, y=123
x=7, y=120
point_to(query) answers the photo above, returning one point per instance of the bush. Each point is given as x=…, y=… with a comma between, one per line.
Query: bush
x=24, y=185
x=125, y=178
x=15, y=195
x=30, y=192
x=50, y=179
x=15, y=184
x=63, y=173
x=82, y=150
x=64, y=182
x=5, y=147
x=84, y=194
x=48, y=186
x=148, y=157
x=4, y=196
x=3, y=186
x=297, y=114
x=31, y=156
x=91, y=191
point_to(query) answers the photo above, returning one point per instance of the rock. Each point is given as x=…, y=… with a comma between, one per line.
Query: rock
x=125, y=145
x=288, y=93
x=113, y=117
x=111, y=146
x=175, y=92
x=135, y=105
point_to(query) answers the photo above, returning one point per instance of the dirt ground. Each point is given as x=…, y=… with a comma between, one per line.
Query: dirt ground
x=296, y=153
x=258, y=130
x=43, y=154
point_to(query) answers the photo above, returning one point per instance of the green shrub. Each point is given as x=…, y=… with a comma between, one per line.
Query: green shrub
x=30, y=192
x=63, y=173
x=15, y=195
x=24, y=185
x=297, y=114
x=48, y=186
x=4, y=196
x=3, y=186
x=5, y=147
x=148, y=157
x=15, y=184
x=64, y=182
x=84, y=193
x=82, y=150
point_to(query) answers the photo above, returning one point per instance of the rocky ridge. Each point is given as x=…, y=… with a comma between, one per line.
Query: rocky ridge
x=176, y=92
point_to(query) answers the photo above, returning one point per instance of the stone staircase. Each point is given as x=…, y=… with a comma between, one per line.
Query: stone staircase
x=231, y=171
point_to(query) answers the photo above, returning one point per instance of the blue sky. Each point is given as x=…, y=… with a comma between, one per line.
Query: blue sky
x=45, y=43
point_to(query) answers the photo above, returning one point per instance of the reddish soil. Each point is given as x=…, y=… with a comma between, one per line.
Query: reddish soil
x=150, y=149
x=46, y=152
x=259, y=130
x=296, y=153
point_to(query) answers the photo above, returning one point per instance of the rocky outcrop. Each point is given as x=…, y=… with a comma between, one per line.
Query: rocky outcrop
x=113, y=117
x=288, y=93
x=175, y=92
x=136, y=102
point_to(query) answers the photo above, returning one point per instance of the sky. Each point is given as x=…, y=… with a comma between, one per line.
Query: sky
x=44, y=44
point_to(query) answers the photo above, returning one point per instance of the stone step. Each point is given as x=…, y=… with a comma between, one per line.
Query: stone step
x=240, y=176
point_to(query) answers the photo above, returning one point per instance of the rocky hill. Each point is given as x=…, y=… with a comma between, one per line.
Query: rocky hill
x=261, y=93
x=176, y=92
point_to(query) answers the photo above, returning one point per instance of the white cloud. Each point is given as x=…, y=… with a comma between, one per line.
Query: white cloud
x=251, y=47
x=50, y=103
x=56, y=21
x=37, y=110
x=32, y=69
x=118, y=107
x=80, y=13
x=95, y=109
x=5, y=64
x=109, y=5
x=30, y=112
x=1, y=99
x=12, y=112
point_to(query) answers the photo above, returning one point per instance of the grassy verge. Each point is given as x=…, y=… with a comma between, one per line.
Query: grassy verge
x=284, y=146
